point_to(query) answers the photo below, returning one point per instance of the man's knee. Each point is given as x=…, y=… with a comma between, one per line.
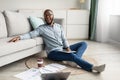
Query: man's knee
x=73, y=56
x=83, y=44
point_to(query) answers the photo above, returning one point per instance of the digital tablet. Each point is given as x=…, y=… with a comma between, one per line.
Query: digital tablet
x=68, y=51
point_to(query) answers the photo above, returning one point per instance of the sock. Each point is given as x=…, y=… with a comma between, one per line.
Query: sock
x=99, y=68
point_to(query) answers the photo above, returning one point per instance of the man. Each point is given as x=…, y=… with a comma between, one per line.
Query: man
x=57, y=47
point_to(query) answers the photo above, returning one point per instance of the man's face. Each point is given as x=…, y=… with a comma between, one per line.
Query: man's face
x=48, y=16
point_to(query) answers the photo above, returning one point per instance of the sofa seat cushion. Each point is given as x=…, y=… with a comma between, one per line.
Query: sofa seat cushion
x=8, y=48
x=39, y=40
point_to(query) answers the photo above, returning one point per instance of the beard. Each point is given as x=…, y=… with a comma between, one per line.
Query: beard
x=49, y=22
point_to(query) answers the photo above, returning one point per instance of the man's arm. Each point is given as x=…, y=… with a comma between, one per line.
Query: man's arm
x=29, y=35
x=65, y=42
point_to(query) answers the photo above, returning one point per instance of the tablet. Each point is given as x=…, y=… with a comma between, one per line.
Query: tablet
x=55, y=76
x=68, y=51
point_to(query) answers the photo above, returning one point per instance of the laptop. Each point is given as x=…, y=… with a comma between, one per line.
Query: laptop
x=55, y=76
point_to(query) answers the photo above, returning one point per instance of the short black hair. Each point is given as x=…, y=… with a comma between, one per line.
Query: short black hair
x=48, y=10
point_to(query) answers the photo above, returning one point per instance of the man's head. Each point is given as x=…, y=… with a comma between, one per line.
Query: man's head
x=49, y=16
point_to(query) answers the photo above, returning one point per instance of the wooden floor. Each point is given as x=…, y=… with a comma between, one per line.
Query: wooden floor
x=102, y=52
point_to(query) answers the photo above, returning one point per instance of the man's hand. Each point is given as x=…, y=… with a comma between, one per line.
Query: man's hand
x=17, y=38
x=68, y=49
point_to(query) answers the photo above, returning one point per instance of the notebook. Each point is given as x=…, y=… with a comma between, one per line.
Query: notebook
x=55, y=76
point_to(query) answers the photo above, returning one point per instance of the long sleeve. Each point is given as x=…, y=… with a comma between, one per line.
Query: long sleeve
x=65, y=42
x=32, y=34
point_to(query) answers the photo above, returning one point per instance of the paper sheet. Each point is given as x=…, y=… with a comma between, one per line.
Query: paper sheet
x=31, y=74
x=35, y=74
x=51, y=68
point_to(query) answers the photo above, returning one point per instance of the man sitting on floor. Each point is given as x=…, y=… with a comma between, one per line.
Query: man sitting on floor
x=56, y=44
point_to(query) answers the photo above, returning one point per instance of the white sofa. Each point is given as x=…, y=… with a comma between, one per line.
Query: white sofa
x=12, y=24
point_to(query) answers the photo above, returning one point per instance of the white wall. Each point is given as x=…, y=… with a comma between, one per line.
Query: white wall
x=85, y=5
x=40, y=4
x=37, y=4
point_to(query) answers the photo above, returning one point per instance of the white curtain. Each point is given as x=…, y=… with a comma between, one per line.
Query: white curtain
x=104, y=11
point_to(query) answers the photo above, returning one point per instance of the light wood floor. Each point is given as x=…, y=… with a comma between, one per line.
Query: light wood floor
x=102, y=52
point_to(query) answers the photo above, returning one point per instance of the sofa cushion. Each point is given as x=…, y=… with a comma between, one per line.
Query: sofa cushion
x=31, y=12
x=16, y=23
x=36, y=22
x=8, y=48
x=39, y=40
x=3, y=30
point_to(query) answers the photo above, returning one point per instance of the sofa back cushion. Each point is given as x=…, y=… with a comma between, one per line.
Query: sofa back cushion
x=3, y=30
x=16, y=23
x=31, y=12
x=36, y=22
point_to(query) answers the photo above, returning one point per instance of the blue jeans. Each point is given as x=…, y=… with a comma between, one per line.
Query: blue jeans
x=75, y=57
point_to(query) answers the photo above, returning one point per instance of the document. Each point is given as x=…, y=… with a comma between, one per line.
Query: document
x=31, y=74
x=35, y=74
x=52, y=68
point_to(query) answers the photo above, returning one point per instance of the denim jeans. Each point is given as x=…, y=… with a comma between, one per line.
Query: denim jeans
x=75, y=56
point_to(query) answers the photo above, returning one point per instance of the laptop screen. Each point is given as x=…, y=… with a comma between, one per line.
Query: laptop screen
x=55, y=76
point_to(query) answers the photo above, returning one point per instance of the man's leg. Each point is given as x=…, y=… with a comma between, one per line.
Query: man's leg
x=62, y=56
x=79, y=48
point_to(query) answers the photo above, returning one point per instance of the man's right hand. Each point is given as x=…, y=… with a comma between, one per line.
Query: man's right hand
x=17, y=38
x=68, y=49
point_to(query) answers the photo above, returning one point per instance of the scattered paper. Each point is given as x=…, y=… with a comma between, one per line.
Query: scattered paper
x=35, y=74
x=52, y=68
x=31, y=74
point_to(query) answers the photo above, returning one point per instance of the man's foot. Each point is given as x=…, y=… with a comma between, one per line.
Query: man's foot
x=99, y=68
x=70, y=63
